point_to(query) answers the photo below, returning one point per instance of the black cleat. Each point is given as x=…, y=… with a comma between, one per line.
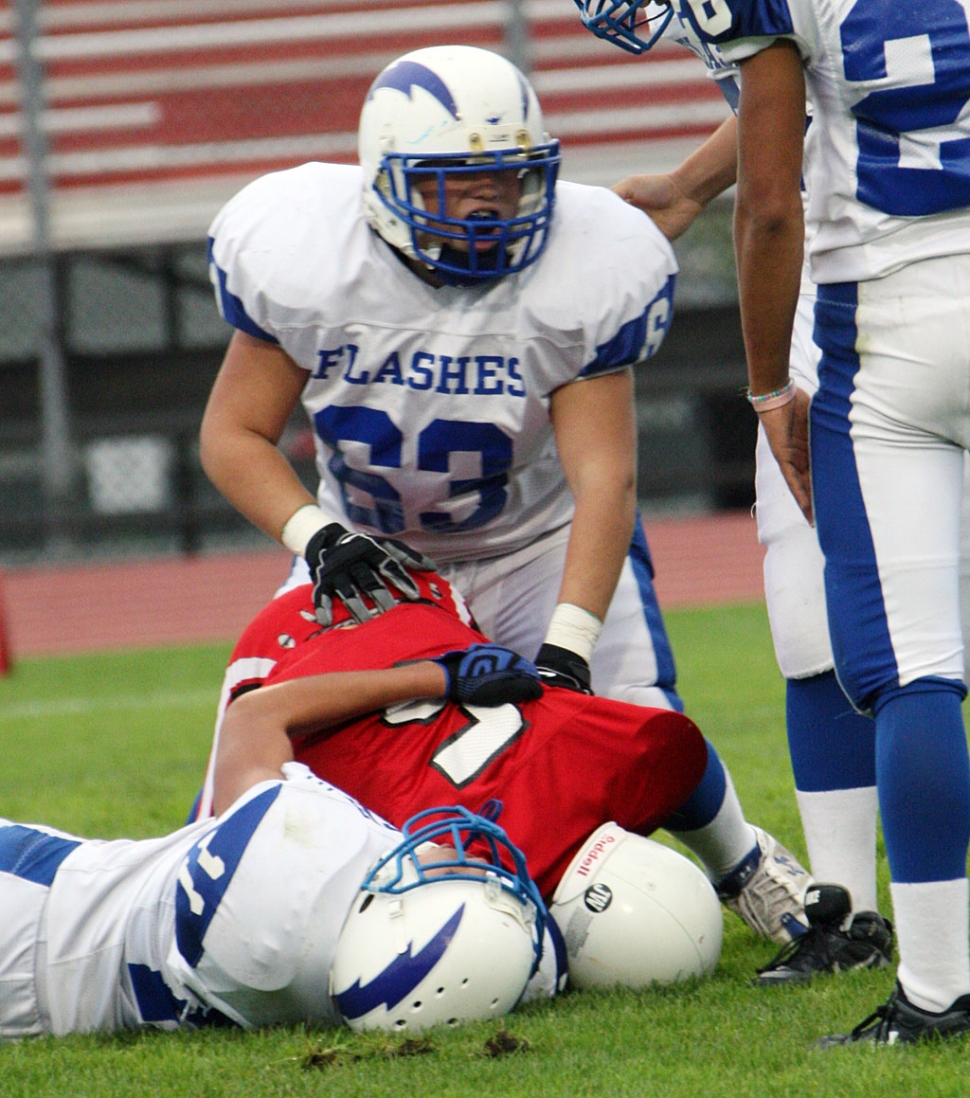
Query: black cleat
x=898, y=1022
x=836, y=941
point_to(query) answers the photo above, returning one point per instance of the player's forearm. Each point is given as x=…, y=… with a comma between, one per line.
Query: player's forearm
x=674, y=200
x=769, y=259
x=324, y=701
x=255, y=477
x=711, y=168
x=595, y=425
x=599, y=540
x=255, y=393
x=254, y=742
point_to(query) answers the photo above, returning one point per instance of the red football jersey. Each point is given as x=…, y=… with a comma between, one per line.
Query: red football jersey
x=561, y=765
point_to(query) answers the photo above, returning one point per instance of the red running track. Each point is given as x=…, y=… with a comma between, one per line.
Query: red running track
x=699, y=562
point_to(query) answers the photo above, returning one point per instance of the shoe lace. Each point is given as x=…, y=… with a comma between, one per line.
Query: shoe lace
x=812, y=941
x=878, y=1024
x=774, y=877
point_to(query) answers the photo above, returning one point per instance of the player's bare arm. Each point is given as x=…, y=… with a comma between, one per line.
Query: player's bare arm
x=254, y=394
x=769, y=235
x=674, y=199
x=595, y=427
x=255, y=739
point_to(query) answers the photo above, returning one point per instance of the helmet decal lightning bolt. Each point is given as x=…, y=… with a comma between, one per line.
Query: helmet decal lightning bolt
x=400, y=977
x=406, y=75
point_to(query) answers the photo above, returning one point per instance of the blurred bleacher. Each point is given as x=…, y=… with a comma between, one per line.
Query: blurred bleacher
x=150, y=114
x=158, y=110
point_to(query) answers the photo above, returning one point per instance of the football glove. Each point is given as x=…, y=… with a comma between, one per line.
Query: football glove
x=488, y=674
x=560, y=667
x=353, y=567
x=405, y=555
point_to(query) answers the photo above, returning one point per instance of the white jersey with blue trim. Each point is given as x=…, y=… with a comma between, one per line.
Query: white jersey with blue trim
x=888, y=162
x=430, y=405
x=235, y=918
x=681, y=30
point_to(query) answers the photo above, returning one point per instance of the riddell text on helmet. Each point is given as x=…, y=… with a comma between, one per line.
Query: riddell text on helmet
x=594, y=854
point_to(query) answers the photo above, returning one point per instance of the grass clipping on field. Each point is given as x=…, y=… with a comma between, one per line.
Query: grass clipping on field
x=502, y=1043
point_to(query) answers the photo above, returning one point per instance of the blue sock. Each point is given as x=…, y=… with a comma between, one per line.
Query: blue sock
x=831, y=745
x=705, y=802
x=924, y=780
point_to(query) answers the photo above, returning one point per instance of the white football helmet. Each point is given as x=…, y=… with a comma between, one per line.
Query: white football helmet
x=426, y=945
x=634, y=912
x=633, y=25
x=449, y=110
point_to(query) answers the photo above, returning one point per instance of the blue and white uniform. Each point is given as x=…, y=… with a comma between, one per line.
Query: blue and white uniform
x=889, y=199
x=235, y=918
x=835, y=790
x=888, y=174
x=430, y=406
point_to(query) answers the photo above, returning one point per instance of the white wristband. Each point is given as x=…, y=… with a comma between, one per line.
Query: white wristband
x=574, y=628
x=301, y=526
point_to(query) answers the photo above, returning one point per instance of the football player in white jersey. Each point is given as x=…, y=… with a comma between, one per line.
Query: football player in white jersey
x=835, y=789
x=461, y=331
x=253, y=917
x=889, y=208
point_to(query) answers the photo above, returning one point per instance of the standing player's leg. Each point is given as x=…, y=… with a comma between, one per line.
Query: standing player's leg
x=887, y=428
x=832, y=747
x=512, y=599
x=965, y=566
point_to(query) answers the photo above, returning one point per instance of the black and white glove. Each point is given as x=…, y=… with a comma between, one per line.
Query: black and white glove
x=353, y=567
x=560, y=667
x=488, y=674
x=405, y=555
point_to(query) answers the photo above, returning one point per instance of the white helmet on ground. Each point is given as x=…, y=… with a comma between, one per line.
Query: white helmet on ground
x=449, y=110
x=634, y=912
x=459, y=941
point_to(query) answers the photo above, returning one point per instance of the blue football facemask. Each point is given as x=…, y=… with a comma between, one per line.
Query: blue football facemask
x=633, y=25
x=400, y=870
x=451, y=247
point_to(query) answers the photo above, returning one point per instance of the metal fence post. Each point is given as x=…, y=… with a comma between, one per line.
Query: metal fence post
x=517, y=42
x=57, y=459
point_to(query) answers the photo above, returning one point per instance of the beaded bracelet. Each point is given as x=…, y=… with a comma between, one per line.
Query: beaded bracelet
x=777, y=398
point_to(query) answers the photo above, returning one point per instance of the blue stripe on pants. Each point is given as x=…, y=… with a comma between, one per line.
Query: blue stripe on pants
x=861, y=643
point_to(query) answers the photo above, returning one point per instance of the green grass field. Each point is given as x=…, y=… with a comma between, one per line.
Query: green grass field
x=112, y=745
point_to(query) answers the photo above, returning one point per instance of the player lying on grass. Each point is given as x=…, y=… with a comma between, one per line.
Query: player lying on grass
x=563, y=764
x=260, y=916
